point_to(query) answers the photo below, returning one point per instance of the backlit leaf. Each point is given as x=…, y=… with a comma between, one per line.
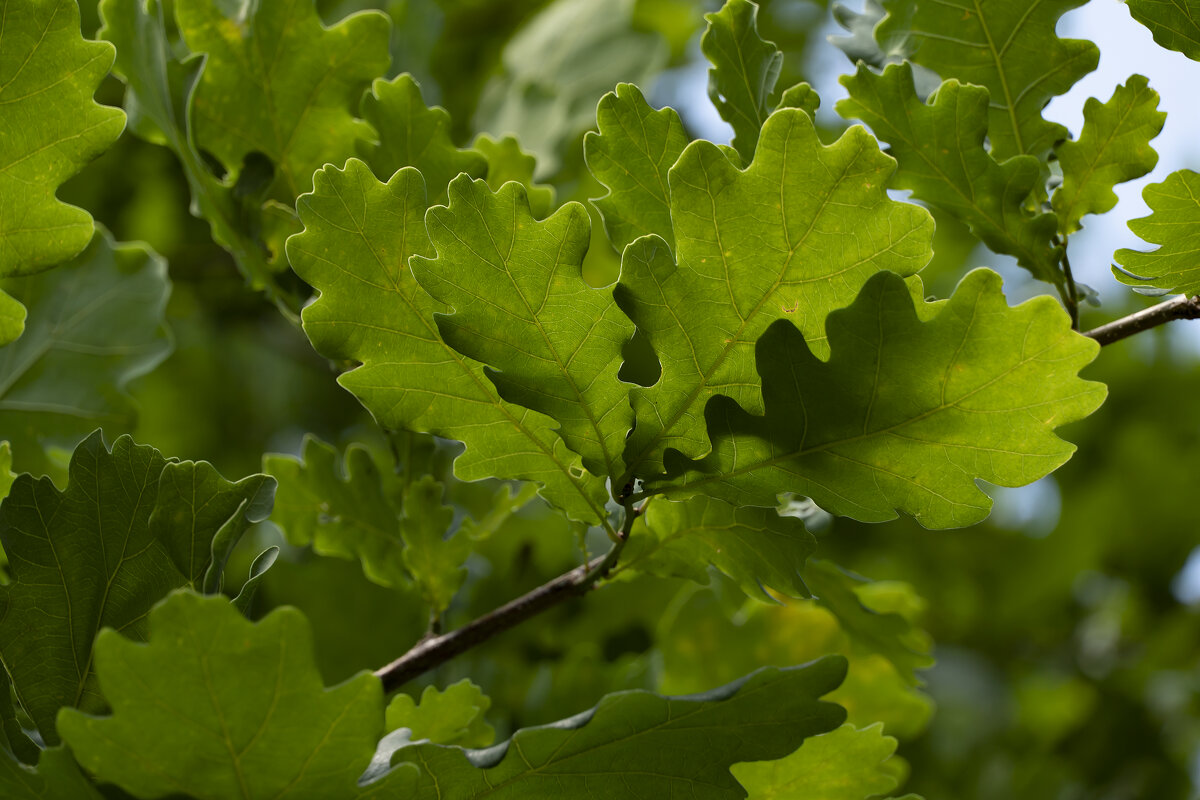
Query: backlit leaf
x=186, y=703
x=410, y=134
x=1174, y=23
x=1174, y=225
x=940, y=148
x=506, y=161
x=276, y=81
x=130, y=527
x=1009, y=48
x=845, y=764
x=742, y=263
x=434, y=561
x=359, y=234
x=1114, y=147
x=522, y=307
x=49, y=130
x=631, y=156
x=454, y=716
x=906, y=414
x=745, y=68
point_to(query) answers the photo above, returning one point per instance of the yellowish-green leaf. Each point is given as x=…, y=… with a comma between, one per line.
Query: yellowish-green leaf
x=506, y=161
x=434, y=561
x=454, y=716
x=741, y=83
x=522, y=306
x=1174, y=225
x=907, y=414
x=1114, y=147
x=743, y=263
x=359, y=234
x=50, y=129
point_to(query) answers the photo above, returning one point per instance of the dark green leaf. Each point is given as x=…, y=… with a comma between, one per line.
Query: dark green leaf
x=1174, y=23
x=434, y=561
x=56, y=777
x=130, y=527
x=215, y=706
x=96, y=324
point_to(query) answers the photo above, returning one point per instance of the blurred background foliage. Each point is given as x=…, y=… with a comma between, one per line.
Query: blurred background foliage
x=1067, y=642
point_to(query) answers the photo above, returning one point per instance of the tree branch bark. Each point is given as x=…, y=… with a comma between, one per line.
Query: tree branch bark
x=1182, y=307
x=433, y=651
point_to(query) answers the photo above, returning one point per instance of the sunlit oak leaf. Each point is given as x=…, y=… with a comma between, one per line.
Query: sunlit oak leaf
x=939, y=145
x=506, y=161
x=756, y=547
x=741, y=83
x=1113, y=147
x=12, y=318
x=454, y=716
x=343, y=506
x=825, y=227
x=1010, y=48
x=6, y=474
x=801, y=96
x=359, y=234
x=521, y=306
x=636, y=744
x=130, y=527
x=95, y=324
x=844, y=764
x=222, y=707
x=631, y=155
x=276, y=81
x=434, y=560
x=1174, y=225
x=410, y=134
x=906, y=415
x=50, y=128
x=1175, y=24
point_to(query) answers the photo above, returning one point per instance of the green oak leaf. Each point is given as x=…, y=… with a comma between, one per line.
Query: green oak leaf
x=56, y=777
x=130, y=527
x=159, y=90
x=801, y=96
x=745, y=68
x=12, y=318
x=887, y=633
x=6, y=474
x=636, y=744
x=521, y=305
x=1175, y=24
x=214, y=706
x=630, y=156
x=906, y=414
x=1010, y=49
x=1174, y=224
x=844, y=764
x=1113, y=147
x=50, y=129
x=410, y=134
x=359, y=234
x=95, y=325
x=276, y=81
x=434, y=561
x=454, y=716
x=348, y=507
x=756, y=547
x=743, y=263
x=506, y=161
x=940, y=148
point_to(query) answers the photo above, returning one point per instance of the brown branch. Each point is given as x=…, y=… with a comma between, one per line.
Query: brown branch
x=1182, y=307
x=433, y=651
